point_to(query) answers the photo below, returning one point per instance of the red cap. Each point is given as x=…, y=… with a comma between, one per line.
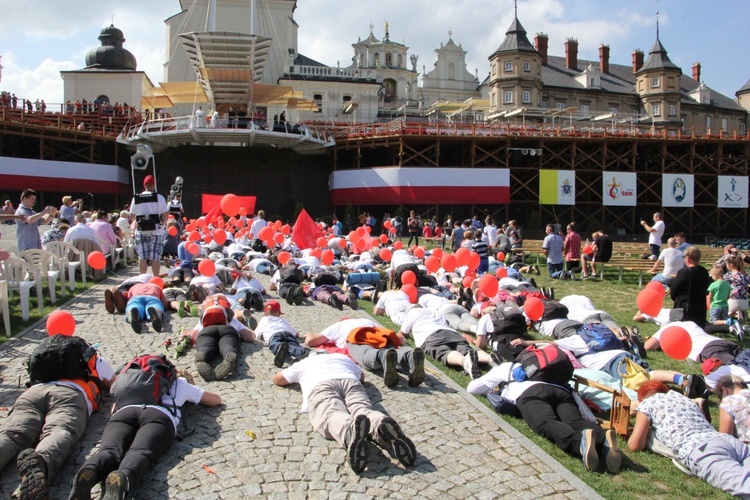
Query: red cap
x=710, y=365
x=273, y=306
x=148, y=180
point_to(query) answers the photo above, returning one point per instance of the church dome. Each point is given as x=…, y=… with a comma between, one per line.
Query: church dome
x=111, y=55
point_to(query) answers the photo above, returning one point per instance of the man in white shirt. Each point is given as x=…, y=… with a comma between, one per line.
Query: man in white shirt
x=340, y=409
x=655, y=233
x=394, y=304
x=150, y=212
x=258, y=224
x=80, y=231
x=673, y=261
x=490, y=232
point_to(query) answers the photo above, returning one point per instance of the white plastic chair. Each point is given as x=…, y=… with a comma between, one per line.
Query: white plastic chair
x=5, y=306
x=70, y=260
x=45, y=265
x=17, y=274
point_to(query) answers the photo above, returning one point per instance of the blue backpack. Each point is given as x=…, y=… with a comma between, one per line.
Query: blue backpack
x=599, y=337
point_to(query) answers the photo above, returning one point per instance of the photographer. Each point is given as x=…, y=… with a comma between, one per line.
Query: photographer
x=70, y=208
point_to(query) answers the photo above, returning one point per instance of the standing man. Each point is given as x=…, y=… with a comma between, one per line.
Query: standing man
x=553, y=250
x=413, y=226
x=150, y=211
x=258, y=224
x=655, y=233
x=27, y=231
x=176, y=209
x=515, y=233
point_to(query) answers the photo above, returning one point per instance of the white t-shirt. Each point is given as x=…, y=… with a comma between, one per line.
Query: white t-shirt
x=106, y=373
x=501, y=373
x=673, y=261
x=654, y=237
x=485, y=325
x=209, y=282
x=338, y=332
x=317, y=368
x=432, y=301
x=157, y=207
x=491, y=233
x=547, y=328
x=700, y=338
x=401, y=257
x=180, y=393
x=395, y=303
x=245, y=282
x=715, y=375
x=268, y=325
x=257, y=225
x=594, y=360
x=662, y=318
x=422, y=323
x=138, y=278
x=578, y=302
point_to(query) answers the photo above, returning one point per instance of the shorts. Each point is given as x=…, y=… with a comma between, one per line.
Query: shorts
x=174, y=294
x=718, y=314
x=603, y=318
x=737, y=305
x=441, y=342
x=149, y=246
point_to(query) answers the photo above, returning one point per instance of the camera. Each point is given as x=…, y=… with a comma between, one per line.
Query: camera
x=177, y=186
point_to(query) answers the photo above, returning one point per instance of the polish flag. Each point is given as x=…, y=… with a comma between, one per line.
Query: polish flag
x=417, y=185
x=62, y=176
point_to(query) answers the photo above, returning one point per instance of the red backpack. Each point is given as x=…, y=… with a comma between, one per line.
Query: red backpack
x=547, y=364
x=144, y=380
x=216, y=311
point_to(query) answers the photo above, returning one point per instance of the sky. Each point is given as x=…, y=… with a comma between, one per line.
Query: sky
x=39, y=38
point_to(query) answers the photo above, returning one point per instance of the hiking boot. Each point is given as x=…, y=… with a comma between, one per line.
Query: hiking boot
x=135, y=320
x=226, y=367
x=416, y=376
x=356, y=443
x=116, y=486
x=334, y=301
x=280, y=356
x=495, y=359
x=290, y=294
x=84, y=480
x=533, y=283
x=352, y=299
x=588, y=450
x=204, y=369
x=121, y=303
x=156, y=318
x=390, y=371
x=637, y=341
x=610, y=453
x=694, y=386
x=299, y=296
x=396, y=443
x=109, y=301
x=374, y=296
x=471, y=364
x=33, y=471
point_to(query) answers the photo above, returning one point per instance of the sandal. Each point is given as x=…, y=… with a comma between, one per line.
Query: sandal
x=181, y=311
x=194, y=311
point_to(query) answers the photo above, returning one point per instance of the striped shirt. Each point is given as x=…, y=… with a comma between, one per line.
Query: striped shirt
x=572, y=246
x=481, y=248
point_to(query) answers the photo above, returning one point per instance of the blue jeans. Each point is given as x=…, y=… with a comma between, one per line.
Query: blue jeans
x=295, y=349
x=484, y=264
x=554, y=268
x=142, y=303
x=664, y=280
x=718, y=313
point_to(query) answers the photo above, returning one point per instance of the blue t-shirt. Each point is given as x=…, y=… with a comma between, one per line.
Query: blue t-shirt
x=27, y=235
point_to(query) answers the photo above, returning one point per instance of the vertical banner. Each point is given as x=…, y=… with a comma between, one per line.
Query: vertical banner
x=732, y=191
x=677, y=190
x=557, y=187
x=619, y=189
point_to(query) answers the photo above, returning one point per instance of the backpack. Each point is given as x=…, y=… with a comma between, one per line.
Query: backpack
x=546, y=364
x=61, y=357
x=290, y=273
x=325, y=278
x=217, y=310
x=554, y=310
x=508, y=319
x=144, y=380
x=599, y=337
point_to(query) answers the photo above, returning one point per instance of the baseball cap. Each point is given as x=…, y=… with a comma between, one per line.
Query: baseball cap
x=148, y=180
x=273, y=306
x=710, y=365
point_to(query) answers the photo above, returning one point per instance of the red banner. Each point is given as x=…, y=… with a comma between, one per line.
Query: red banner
x=211, y=201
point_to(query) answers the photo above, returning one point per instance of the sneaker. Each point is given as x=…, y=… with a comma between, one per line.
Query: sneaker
x=226, y=367
x=390, y=371
x=375, y=295
x=33, y=471
x=116, y=486
x=551, y=293
x=637, y=342
x=290, y=294
x=352, y=299
x=334, y=301
x=299, y=296
x=585, y=276
x=356, y=443
x=694, y=386
x=572, y=275
x=396, y=443
x=588, y=450
x=533, y=283
x=250, y=321
x=156, y=318
x=204, y=369
x=83, y=482
x=280, y=357
x=736, y=329
x=495, y=360
x=416, y=376
x=471, y=364
x=109, y=301
x=121, y=303
x=610, y=453
x=135, y=320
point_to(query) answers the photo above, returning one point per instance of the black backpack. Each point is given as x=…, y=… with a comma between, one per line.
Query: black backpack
x=325, y=278
x=290, y=273
x=508, y=319
x=60, y=357
x=554, y=310
x=144, y=380
x=546, y=364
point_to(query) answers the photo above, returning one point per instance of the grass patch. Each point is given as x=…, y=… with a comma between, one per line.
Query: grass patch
x=644, y=474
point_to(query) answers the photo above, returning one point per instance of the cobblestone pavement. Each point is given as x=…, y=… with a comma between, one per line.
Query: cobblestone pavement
x=465, y=451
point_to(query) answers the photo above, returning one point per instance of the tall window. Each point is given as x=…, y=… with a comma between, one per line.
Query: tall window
x=560, y=105
x=543, y=105
x=584, y=110
x=494, y=70
x=724, y=124
x=494, y=100
x=672, y=110
x=655, y=82
x=388, y=59
x=655, y=110
x=526, y=66
x=508, y=66
x=708, y=122
x=743, y=127
x=508, y=97
x=526, y=97
x=318, y=99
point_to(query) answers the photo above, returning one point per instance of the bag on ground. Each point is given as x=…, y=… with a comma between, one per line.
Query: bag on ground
x=554, y=310
x=546, y=364
x=599, y=337
x=60, y=357
x=217, y=310
x=144, y=380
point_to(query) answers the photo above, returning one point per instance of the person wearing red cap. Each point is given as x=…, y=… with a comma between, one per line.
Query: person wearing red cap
x=281, y=337
x=150, y=211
